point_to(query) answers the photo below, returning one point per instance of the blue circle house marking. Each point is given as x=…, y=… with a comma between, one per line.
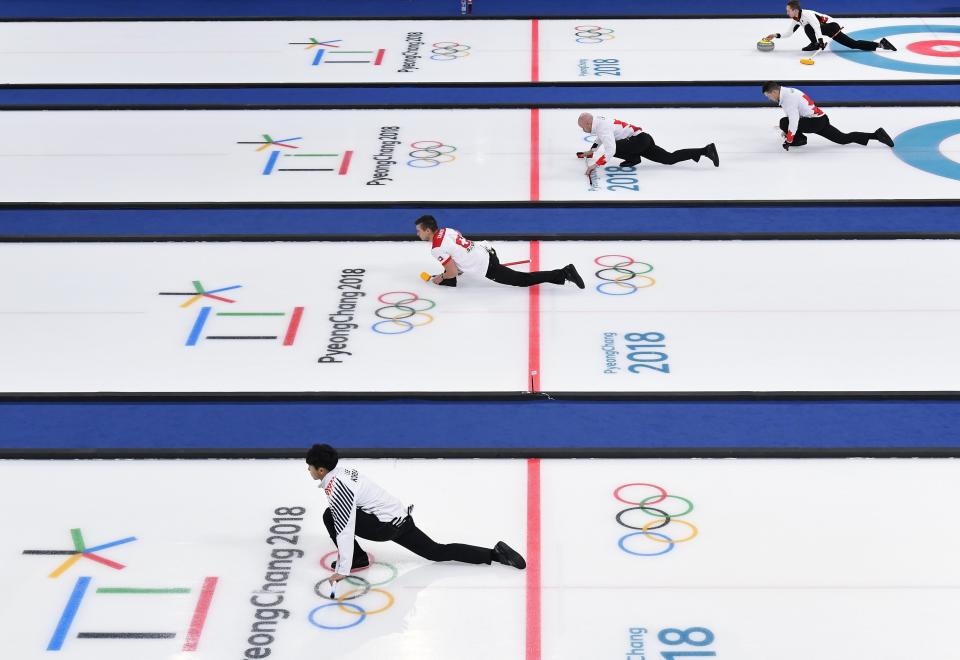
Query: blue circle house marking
x=875, y=34
x=920, y=148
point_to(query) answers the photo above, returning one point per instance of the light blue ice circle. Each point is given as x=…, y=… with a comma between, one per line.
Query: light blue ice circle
x=920, y=147
x=670, y=544
x=875, y=34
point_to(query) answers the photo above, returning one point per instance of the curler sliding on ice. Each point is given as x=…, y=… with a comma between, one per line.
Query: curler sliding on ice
x=803, y=116
x=459, y=255
x=630, y=143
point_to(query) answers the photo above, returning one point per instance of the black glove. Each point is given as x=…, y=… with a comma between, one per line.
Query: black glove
x=786, y=146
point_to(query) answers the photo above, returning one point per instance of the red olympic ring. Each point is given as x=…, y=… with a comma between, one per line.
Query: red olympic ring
x=325, y=564
x=663, y=493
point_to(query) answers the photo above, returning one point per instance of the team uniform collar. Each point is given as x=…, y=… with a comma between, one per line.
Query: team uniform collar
x=330, y=476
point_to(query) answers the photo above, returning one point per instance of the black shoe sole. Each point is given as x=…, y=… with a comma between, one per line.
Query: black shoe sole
x=506, y=555
x=571, y=275
x=713, y=155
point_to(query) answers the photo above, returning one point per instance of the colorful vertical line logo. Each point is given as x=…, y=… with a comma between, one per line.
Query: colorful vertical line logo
x=82, y=587
x=289, y=333
x=329, y=52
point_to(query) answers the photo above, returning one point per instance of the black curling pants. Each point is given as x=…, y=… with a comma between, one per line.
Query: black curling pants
x=631, y=149
x=832, y=30
x=407, y=534
x=821, y=126
x=503, y=275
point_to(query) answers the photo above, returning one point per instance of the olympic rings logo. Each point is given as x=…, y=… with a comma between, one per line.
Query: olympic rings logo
x=619, y=278
x=592, y=34
x=659, y=519
x=402, y=312
x=447, y=51
x=430, y=153
x=344, y=603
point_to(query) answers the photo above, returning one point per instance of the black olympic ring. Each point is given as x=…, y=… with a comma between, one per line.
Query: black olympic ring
x=646, y=509
x=593, y=34
x=430, y=153
x=409, y=306
x=444, y=51
x=326, y=595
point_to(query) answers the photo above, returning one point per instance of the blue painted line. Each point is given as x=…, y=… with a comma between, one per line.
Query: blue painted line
x=226, y=288
x=69, y=614
x=271, y=162
x=198, y=326
x=129, y=539
x=316, y=60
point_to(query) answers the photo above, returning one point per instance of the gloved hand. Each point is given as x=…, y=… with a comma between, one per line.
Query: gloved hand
x=786, y=146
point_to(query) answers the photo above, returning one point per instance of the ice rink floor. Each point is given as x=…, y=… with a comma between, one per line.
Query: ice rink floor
x=349, y=317
x=585, y=51
x=745, y=559
x=461, y=156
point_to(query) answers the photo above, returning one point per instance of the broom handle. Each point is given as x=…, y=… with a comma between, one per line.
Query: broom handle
x=825, y=44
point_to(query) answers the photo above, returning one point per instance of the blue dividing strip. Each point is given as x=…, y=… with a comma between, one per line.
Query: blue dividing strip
x=414, y=8
x=69, y=614
x=542, y=222
x=506, y=424
x=598, y=95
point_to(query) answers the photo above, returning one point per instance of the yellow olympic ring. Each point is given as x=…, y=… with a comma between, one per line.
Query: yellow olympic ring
x=635, y=286
x=693, y=529
x=400, y=322
x=386, y=607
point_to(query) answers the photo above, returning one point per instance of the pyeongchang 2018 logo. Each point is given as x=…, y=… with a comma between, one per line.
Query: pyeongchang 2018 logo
x=96, y=599
x=658, y=525
x=440, y=51
x=257, y=324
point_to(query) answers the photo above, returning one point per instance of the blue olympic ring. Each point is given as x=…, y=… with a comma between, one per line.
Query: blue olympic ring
x=875, y=34
x=360, y=610
x=666, y=538
x=920, y=148
x=406, y=325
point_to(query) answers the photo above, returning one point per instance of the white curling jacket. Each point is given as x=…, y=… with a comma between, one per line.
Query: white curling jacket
x=796, y=104
x=347, y=490
x=807, y=17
